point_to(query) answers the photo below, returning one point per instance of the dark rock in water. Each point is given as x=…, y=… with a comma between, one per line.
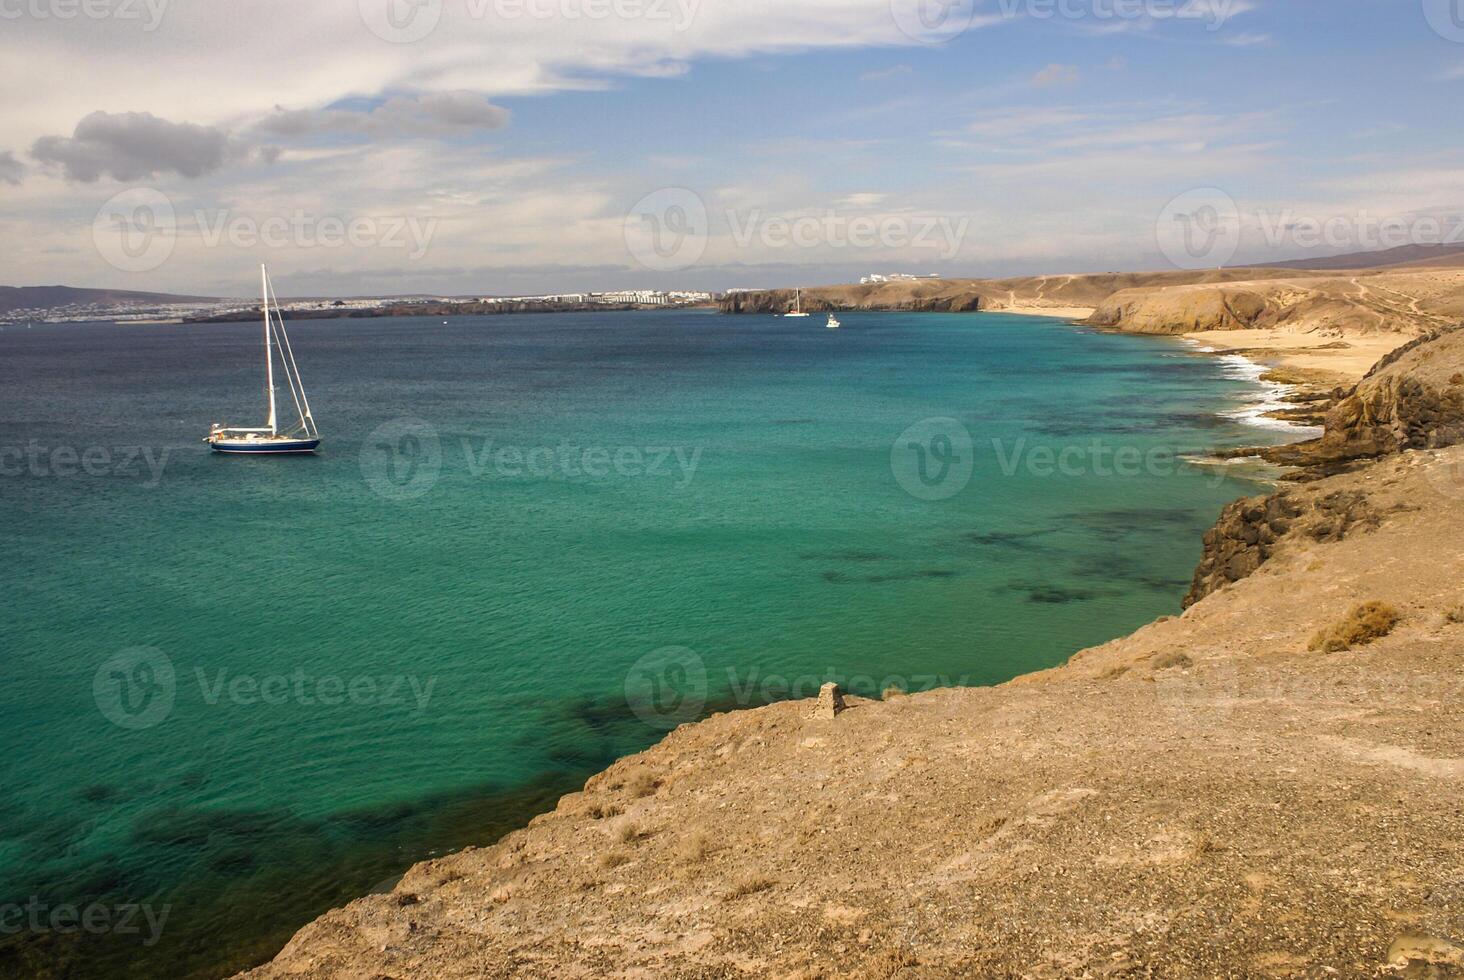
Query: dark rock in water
x=100, y=793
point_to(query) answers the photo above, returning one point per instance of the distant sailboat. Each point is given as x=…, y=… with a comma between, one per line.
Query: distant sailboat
x=303, y=437
x=797, y=305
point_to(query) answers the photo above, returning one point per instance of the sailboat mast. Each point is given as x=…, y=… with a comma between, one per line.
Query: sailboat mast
x=268, y=353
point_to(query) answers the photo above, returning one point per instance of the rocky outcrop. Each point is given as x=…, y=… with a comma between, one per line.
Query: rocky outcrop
x=1413, y=399
x=1407, y=302
x=969, y=295
x=957, y=299
x=1250, y=531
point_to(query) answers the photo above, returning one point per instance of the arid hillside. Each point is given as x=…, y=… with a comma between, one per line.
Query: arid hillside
x=1270, y=784
x=1404, y=302
x=1065, y=295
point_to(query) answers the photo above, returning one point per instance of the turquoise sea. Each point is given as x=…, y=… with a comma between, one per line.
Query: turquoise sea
x=239, y=691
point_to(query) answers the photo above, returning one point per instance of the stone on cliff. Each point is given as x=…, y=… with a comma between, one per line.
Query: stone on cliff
x=830, y=701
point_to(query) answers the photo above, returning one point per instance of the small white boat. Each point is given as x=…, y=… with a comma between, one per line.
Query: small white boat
x=833, y=323
x=797, y=305
x=303, y=437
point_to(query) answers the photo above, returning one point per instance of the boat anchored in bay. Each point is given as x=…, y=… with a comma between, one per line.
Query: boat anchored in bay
x=303, y=437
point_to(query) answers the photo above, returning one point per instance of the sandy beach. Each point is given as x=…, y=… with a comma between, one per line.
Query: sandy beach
x=1304, y=357
x=1065, y=312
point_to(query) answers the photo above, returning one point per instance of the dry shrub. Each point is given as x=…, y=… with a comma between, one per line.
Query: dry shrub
x=891, y=963
x=642, y=784
x=1365, y=623
x=693, y=848
x=627, y=831
x=1457, y=379
x=751, y=886
x=599, y=811
x=1454, y=615
x=1174, y=658
x=893, y=691
x=1113, y=672
x=614, y=859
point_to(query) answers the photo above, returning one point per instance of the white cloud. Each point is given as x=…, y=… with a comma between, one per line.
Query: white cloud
x=1055, y=74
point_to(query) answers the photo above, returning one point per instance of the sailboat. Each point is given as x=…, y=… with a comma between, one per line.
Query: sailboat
x=303, y=437
x=797, y=305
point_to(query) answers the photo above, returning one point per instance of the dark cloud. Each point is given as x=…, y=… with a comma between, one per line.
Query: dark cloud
x=438, y=114
x=11, y=169
x=137, y=145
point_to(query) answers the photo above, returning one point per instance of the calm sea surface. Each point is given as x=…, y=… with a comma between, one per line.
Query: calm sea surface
x=238, y=691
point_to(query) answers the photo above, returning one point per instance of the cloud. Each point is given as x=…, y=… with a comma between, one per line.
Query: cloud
x=1247, y=40
x=11, y=169
x=885, y=74
x=433, y=114
x=1055, y=74
x=138, y=145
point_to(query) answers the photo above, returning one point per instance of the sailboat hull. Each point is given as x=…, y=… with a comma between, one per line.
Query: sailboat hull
x=254, y=447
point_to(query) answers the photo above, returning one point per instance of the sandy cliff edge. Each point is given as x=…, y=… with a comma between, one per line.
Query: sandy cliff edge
x=1206, y=796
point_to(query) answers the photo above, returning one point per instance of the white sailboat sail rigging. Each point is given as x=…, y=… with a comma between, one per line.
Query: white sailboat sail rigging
x=797, y=304
x=303, y=437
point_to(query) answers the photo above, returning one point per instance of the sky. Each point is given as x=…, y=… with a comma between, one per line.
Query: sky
x=509, y=147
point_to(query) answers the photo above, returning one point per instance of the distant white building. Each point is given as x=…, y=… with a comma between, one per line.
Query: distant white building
x=893, y=277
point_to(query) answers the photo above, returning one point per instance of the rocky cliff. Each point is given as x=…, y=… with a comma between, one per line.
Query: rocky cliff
x=1064, y=293
x=1337, y=304
x=1413, y=399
